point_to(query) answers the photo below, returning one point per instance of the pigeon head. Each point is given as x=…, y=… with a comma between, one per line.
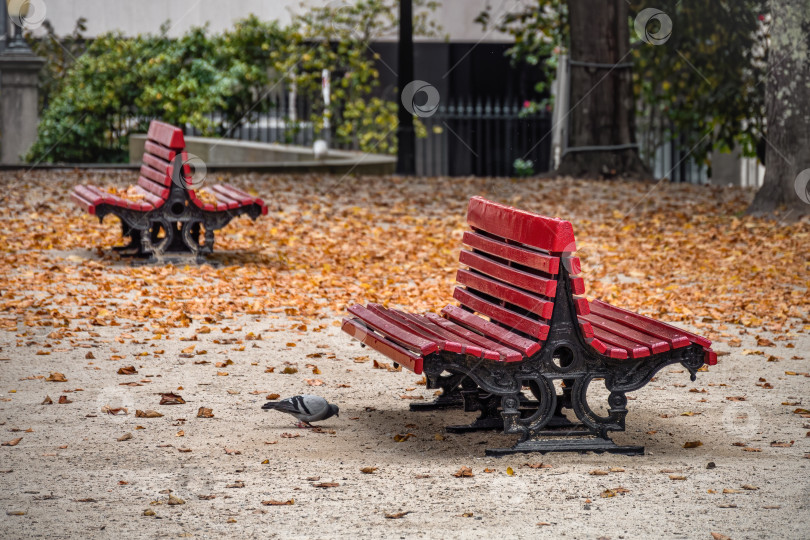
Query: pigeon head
x=334, y=410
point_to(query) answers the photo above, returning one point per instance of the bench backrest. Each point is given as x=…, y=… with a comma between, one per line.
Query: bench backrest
x=513, y=262
x=164, y=143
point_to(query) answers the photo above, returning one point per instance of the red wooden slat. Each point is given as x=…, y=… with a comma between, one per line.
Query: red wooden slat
x=156, y=163
x=586, y=329
x=236, y=194
x=634, y=349
x=581, y=306
x=163, y=178
x=392, y=317
x=224, y=200
x=512, y=276
x=573, y=265
x=577, y=285
x=150, y=197
x=500, y=290
x=675, y=337
x=406, y=338
x=511, y=319
x=208, y=207
x=154, y=188
x=616, y=352
x=86, y=193
x=467, y=347
x=657, y=345
x=599, y=346
x=710, y=359
x=166, y=134
x=84, y=203
x=491, y=349
x=550, y=234
x=162, y=152
x=393, y=351
x=236, y=191
x=108, y=198
x=520, y=255
x=491, y=330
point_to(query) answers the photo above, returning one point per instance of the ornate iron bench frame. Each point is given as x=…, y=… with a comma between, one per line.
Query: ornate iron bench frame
x=168, y=221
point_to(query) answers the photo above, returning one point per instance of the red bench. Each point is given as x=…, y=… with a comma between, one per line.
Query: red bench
x=522, y=325
x=163, y=214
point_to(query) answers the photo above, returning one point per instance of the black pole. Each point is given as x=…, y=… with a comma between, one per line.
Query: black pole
x=406, y=138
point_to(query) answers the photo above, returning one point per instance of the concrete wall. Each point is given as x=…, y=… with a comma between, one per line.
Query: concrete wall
x=146, y=16
x=232, y=154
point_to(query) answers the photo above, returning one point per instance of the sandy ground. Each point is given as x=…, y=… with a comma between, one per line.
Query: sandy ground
x=70, y=477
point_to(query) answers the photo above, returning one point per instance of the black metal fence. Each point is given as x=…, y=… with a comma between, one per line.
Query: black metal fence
x=480, y=138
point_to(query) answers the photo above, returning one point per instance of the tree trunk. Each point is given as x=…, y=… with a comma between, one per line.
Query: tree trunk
x=786, y=189
x=601, y=107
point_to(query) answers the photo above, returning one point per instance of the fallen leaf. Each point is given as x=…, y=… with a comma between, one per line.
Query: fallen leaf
x=148, y=413
x=272, y=502
x=272, y=396
x=314, y=382
x=692, y=444
x=777, y=444
x=597, y=472
x=12, y=442
x=124, y=437
x=368, y=470
x=127, y=370
x=237, y=484
x=401, y=438
x=326, y=485
x=174, y=501
x=55, y=376
x=63, y=400
x=676, y=477
x=204, y=412
x=463, y=472
x=47, y=401
x=171, y=399
x=398, y=515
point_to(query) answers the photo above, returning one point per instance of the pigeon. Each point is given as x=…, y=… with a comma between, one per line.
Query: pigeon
x=307, y=408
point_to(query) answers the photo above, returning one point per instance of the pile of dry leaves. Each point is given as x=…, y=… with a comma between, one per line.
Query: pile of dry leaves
x=680, y=252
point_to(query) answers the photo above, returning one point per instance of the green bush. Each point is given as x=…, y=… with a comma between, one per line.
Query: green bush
x=180, y=81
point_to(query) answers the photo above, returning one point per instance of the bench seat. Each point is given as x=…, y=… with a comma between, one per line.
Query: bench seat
x=165, y=198
x=521, y=311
